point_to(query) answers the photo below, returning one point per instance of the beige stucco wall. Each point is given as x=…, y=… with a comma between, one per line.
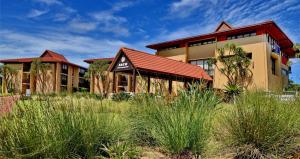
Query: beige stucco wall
x=48, y=84
x=176, y=54
x=255, y=45
x=261, y=61
x=202, y=51
x=53, y=83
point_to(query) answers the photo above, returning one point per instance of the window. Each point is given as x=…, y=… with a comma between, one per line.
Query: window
x=203, y=63
x=64, y=68
x=170, y=47
x=242, y=35
x=273, y=67
x=202, y=42
x=26, y=67
x=249, y=55
x=284, y=72
x=81, y=72
x=64, y=80
x=274, y=45
x=83, y=83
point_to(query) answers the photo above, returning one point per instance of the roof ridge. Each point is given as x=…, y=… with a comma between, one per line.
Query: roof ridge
x=154, y=55
x=211, y=33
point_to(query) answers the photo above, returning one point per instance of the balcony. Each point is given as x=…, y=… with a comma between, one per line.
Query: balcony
x=275, y=51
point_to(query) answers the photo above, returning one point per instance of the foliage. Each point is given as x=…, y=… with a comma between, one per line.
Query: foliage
x=261, y=121
x=39, y=71
x=178, y=126
x=297, y=50
x=98, y=69
x=121, y=150
x=122, y=96
x=293, y=86
x=60, y=127
x=234, y=64
x=9, y=81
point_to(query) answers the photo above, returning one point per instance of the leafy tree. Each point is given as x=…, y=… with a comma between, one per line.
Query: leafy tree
x=297, y=50
x=234, y=64
x=39, y=71
x=98, y=70
x=9, y=74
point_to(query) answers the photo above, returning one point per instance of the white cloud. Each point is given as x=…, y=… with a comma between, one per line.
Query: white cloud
x=49, y=2
x=36, y=13
x=82, y=26
x=18, y=44
x=64, y=14
x=109, y=21
x=184, y=8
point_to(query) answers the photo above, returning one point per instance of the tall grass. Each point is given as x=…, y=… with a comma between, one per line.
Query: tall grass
x=180, y=126
x=60, y=128
x=261, y=122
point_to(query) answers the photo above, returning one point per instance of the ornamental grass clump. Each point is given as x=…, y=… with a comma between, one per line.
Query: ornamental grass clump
x=261, y=122
x=179, y=127
x=59, y=127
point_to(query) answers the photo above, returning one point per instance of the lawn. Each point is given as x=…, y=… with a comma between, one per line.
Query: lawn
x=190, y=125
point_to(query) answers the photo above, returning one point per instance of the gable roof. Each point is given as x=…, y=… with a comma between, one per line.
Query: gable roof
x=223, y=26
x=100, y=59
x=157, y=64
x=47, y=56
x=54, y=55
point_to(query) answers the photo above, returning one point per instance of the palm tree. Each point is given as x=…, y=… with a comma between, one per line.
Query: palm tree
x=98, y=70
x=9, y=74
x=39, y=72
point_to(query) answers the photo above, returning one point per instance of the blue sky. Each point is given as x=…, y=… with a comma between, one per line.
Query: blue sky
x=82, y=29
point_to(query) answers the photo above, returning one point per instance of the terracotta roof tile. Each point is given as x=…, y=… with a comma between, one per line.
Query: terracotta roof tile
x=146, y=61
x=47, y=56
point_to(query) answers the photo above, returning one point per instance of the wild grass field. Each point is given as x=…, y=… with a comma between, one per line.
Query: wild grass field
x=194, y=124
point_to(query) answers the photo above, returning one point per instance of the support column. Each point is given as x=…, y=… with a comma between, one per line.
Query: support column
x=133, y=80
x=70, y=81
x=58, y=77
x=114, y=82
x=170, y=86
x=149, y=84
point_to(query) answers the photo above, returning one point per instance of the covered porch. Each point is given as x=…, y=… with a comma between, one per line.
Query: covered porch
x=130, y=64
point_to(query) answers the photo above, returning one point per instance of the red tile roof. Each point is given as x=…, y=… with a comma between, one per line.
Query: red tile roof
x=145, y=61
x=93, y=60
x=47, y=56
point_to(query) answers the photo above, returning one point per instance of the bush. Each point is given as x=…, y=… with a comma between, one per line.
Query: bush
x=178, y=127
x=59, y=128
x=122, y=96
x=260, y=121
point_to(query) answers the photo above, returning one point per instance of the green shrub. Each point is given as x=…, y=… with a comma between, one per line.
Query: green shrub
x=180, y=126
x=59, y=127
x=121, y=150
x=122, y=96
x=260, y=121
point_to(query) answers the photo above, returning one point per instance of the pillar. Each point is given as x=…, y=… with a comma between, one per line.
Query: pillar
x=70, y=77
x=170, y=86
x=149, y=84
x=133, y=80
x=114, y=82
x=58, y=77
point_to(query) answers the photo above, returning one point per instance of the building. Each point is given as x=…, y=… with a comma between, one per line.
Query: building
x=61, y=76
x=136, y=71
x=266, y=44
